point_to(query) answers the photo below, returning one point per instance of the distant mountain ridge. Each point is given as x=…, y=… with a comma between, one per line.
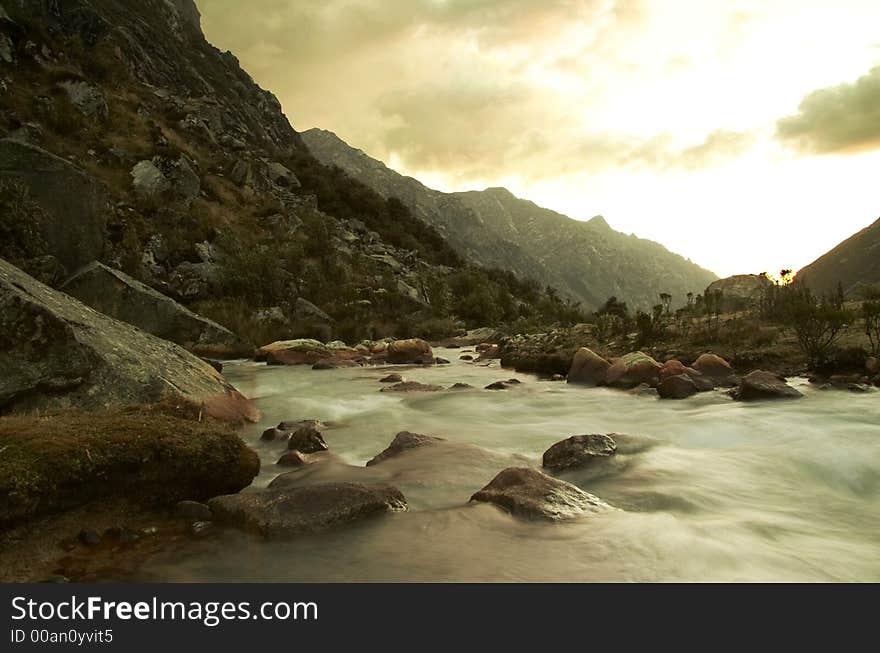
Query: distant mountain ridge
x=854, y=263
x=586, y=261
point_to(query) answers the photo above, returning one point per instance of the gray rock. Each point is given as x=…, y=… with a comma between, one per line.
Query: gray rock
x=528, y=493
x=403, y=441
x=281, y=176
x=191, y=281
x=77, y=205
x=193, y=510
x=6, y=49
x=307, y=439
x=306, y=311
x=88, y=98
x=57, y=352
x=391, y=378
x=284, y=512
x=588, y=368
x=159, y=178
x=118, y=295
x=579, y=450
x=764, y=385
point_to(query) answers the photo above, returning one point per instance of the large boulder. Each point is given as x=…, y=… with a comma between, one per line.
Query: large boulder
x=403, y=441
x=632, y=370
x=282, y=511
x=680, y=386
x=764, y=385
x=716, y=368
x=302, y=351
x=588, y=368
x=741, y=291
x=307, y=439
x=162, y=178
x=413, y=351
x=528, y=493
x=76, y=204
x=579, y=450
x=57, y=352
x=118, y=295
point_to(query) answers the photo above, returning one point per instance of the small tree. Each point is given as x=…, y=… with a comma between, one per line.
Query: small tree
x=817, y=325
x=871, y=316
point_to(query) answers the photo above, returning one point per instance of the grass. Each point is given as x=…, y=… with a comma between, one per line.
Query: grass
x=156, y=455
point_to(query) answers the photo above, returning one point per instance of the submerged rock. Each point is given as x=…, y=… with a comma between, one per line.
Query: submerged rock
x=120, y=296
x=391, y=378
x=578, y=450
x=403, y=441
x=411, y=386
x=307, y=439
x=296, y=458
x=56, y=352
x=334, y=364
x=764, y=385
x=528, y=493
x=588, y=368
x=285, y=511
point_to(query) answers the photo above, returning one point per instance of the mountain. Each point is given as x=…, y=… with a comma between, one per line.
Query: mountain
x=128, y=139
x=586, y=261
x=854, y=264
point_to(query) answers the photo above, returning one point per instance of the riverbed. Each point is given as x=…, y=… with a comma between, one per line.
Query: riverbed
x=707, y=489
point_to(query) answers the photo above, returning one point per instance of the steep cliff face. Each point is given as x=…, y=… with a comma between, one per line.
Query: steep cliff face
x=854, y=264
x=587, y=261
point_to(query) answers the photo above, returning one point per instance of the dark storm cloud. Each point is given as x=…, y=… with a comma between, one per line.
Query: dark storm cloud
x=837, y=119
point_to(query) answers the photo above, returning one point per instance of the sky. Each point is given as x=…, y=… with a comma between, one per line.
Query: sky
x=742, y=134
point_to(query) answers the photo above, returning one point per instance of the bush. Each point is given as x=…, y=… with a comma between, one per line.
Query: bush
x=817, y=325
x=21, y=223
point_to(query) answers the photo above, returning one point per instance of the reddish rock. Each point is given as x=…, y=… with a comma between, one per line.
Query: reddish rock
x=715, y=368
x=632, y=370
x=680, y=386
x=411, y=351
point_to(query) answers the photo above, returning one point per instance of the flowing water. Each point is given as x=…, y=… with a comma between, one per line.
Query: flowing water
x=707, y=488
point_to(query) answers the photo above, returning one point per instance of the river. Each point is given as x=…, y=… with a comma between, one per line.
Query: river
x=708, y=489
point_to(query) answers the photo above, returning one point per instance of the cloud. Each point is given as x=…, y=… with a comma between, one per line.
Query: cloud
x=836, y=119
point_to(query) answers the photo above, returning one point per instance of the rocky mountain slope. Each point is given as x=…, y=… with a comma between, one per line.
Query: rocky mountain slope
x=587, y=261
x=854, y=264
x=126, y=138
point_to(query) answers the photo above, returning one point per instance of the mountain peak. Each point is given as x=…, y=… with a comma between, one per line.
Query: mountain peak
x=599, y=221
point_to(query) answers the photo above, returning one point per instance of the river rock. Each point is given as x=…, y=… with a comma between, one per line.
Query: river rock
x=680, y=386
x=76, y=204
x=411, y=351
x=334, y=364
x=411, y=386
x=588, y=368
x=391, y=378
x=578, y=450
x=764, y=385
x=403, y=441
x=118, y=295
x=715, y=368
x=528, y=493
x=633, y=369
x=295, y=458
x=301, y=351
x=283, y=512
x=56, y=352
x=872, y=365
x=193, y=510
x=307, y=439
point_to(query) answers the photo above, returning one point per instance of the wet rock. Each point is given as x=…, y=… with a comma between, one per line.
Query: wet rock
x=633, y=369
x=121, y=535
x=391, y=378
x=588, y=368
x=193, y=510
x=530, y=494
x=283, y=512
x=202, y=528
x=302, y=351
x=295, y=458
x=872, y=365
x=643, y=390
x=272, y=434
x=558, y=377
x=488, y=352
x=579, y=450
x=466, y=357
x=411, y=351
x=307, y=439
x=411, y=386
x=499, y=385
x=76, y=204
x=295, y=425
x=404, y=441
x=680, y=386
x=716, y=368
x=56, y=352
x=461, y=386
x=441, y=361
x=764, y=385
x=120, y=296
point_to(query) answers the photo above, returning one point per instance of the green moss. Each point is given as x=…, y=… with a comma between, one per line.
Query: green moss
x=154, y=454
